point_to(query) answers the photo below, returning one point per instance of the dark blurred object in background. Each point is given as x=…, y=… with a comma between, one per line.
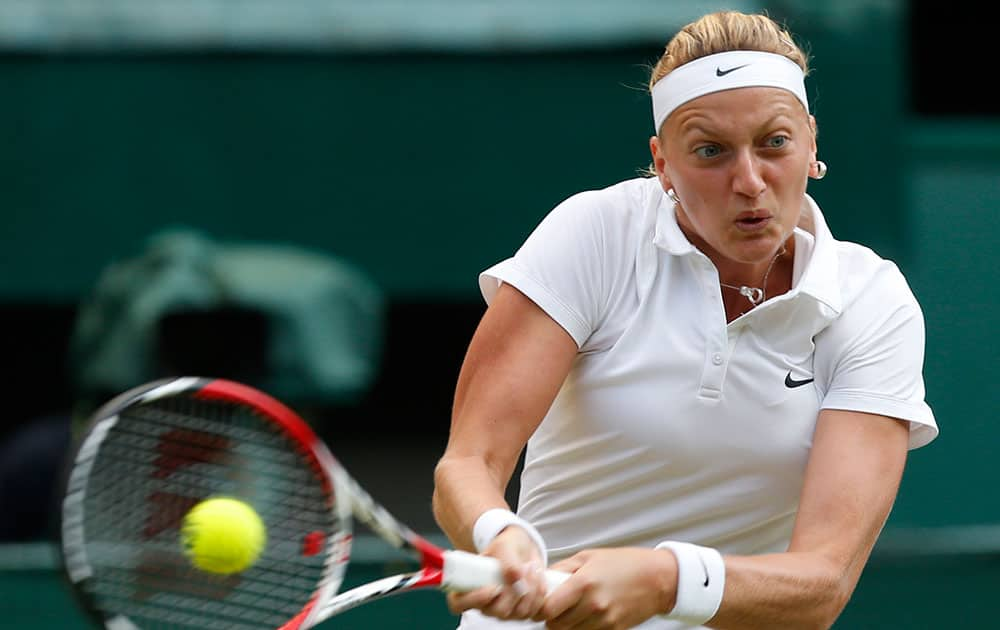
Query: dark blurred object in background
x=230, y=340
x=301, y=325
x=951, y=56
x=31, y=461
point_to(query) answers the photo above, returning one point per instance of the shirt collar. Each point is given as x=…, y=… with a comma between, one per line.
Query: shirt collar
x=817, y=269
x=820, y=267
x=668, y=235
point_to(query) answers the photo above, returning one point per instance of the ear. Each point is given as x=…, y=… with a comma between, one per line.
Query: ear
x=659, y=162
x=815, y=132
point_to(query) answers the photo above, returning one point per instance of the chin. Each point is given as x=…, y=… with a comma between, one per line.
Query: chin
x=755, y=251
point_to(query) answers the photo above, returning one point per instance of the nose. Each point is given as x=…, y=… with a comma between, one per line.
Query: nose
x=747, y=176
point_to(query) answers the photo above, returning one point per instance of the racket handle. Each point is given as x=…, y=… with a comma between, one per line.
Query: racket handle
x=464, y=571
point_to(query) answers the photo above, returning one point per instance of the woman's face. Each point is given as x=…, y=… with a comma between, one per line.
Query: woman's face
x=739, y=161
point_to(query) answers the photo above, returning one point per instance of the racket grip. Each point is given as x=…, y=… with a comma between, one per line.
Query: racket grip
x=464, y=571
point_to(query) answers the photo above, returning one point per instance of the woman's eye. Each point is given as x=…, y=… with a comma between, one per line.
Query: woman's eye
x=708, y=151
x=776, y=142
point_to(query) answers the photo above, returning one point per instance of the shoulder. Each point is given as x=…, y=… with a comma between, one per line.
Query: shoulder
x=624, y=194
x=618, y=210
x=878, y=309
x=868, y=279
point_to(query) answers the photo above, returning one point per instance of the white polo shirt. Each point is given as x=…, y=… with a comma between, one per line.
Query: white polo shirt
x=673, y=424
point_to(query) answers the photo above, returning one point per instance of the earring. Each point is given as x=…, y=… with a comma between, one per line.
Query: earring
x=673, y=196
x=820, y=169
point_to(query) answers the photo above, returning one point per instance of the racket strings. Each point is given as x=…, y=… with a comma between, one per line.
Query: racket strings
x=158, y=461
x=273, y=470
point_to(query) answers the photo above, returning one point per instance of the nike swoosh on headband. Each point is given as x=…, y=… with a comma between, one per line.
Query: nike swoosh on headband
x=719, y=72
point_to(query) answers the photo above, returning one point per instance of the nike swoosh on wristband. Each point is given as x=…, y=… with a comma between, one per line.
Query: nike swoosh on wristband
x=705, y=568
x=790, y=382
x=719, y=72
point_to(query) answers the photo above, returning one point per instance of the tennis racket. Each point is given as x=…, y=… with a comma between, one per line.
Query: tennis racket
x=149, y=455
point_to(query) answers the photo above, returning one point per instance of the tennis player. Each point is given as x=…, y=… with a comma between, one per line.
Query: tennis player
x=717, y=396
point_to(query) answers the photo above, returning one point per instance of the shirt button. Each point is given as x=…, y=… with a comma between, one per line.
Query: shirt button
x=717, y=358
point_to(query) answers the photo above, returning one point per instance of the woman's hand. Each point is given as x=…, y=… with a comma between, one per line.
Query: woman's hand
x=523, y=591
x=611, y=589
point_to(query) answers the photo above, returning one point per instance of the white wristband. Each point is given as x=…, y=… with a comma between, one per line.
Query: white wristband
x=701, y=578
x=491, y=522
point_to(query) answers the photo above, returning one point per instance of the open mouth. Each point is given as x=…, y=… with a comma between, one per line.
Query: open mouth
x=751, y=224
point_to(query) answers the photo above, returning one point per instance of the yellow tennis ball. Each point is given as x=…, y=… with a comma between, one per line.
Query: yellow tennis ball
x=223, y=535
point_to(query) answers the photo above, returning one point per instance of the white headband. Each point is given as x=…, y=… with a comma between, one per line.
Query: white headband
x=725, y=71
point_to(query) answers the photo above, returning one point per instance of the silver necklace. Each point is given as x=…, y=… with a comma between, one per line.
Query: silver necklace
x=756, y=295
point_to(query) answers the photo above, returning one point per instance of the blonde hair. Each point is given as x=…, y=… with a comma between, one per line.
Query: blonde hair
x=726, y=31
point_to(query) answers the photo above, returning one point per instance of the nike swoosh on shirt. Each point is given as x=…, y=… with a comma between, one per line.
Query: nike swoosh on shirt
x=790, y=382
x=719, y=72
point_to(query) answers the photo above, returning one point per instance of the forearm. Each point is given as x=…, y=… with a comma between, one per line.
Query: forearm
x=464, y=488
x=787, y=590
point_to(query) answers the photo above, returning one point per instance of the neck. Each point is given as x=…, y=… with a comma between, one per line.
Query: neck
x=751, y=275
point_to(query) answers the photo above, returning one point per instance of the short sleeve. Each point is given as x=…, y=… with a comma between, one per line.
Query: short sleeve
x=872, y=355
x=560, y=266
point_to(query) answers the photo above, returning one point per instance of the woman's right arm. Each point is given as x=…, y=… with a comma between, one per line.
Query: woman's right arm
x=515, y=365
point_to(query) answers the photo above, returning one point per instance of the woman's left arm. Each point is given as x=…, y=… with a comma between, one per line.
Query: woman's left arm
x=851, y=481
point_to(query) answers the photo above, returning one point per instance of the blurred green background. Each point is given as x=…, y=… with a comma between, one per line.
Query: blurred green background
x=421, y=142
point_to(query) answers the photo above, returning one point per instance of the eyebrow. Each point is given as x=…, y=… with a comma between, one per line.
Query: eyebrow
x=701, y=123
